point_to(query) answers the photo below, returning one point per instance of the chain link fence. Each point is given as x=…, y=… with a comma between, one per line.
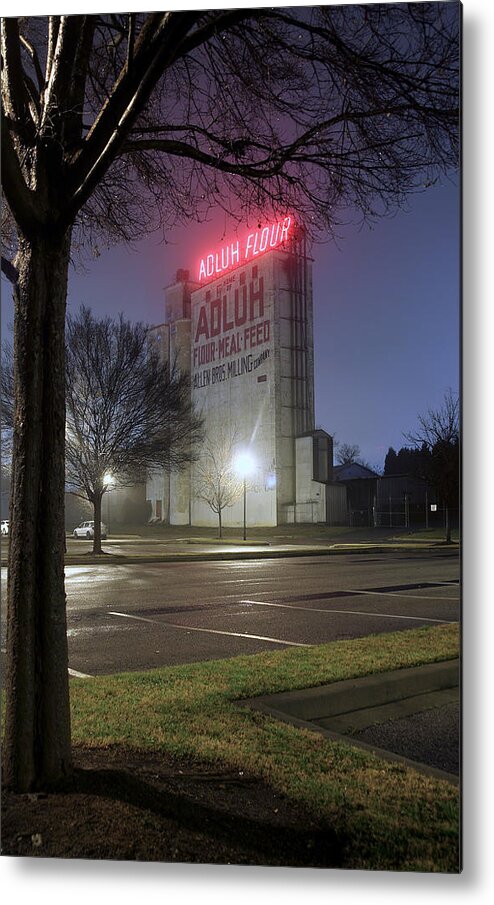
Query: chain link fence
x=401, y=513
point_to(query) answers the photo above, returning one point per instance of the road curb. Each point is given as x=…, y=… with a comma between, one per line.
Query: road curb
x=263, y=553
x=315, y=708
x=368, y=691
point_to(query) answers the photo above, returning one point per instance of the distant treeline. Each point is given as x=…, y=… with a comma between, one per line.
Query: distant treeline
x=406, y=461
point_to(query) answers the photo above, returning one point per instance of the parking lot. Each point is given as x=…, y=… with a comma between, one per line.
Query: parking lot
x=140, y=616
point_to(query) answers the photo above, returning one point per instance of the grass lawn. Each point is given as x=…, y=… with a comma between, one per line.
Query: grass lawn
x=436, y=535
x=388, y=817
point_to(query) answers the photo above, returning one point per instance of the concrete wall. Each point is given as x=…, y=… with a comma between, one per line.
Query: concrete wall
x=337, y=512
x=310, y=495
x=233, y=380
x=179, y=482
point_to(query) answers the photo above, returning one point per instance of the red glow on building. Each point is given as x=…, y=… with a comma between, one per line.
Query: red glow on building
x=233, y=254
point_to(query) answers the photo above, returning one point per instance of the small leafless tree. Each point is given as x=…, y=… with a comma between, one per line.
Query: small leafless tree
x=217, y=483
x=113, y=125
x=126, y=413
x=346, y=453
x=438, y=436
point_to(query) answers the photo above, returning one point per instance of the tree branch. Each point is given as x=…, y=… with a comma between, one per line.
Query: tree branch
x=9, y=270
x=130, y=39
x=74, y=124
x=154, y=50
x=53, y=29
x=35, y=61
x=161, y=41
x=15, y=96
x=273, y=163
x=21, y=200
x=57, y=93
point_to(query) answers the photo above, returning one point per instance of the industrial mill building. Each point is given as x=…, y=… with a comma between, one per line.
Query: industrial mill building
x=242, y=326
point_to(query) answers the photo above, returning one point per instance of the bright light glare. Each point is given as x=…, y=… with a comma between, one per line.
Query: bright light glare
x=108, y=479
x=244, y=464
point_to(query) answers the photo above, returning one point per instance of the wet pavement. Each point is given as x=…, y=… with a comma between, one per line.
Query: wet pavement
x=136, y=616
x=430, y=736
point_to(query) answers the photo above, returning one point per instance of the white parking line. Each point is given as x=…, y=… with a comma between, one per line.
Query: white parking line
x=403, y=596
x=309, y=609
x=71, y=672
x=211, y=631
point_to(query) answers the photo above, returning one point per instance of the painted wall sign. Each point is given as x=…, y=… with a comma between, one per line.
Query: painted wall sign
x=236, y=253
x=221, y=314
x=244, y=364
x=228, y=331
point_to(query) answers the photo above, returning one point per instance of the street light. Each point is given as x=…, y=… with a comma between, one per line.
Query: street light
x=244, y=466
x=108, y=484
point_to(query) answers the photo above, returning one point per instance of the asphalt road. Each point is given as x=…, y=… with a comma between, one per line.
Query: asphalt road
x=135, y=617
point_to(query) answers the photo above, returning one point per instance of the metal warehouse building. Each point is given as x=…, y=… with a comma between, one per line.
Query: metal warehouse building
x=243, y=329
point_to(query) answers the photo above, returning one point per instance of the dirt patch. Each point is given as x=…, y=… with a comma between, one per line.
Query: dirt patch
x=134, y=806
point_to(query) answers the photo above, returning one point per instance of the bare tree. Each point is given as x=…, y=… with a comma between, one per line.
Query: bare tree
x=347, y=453
x=438, y=425
x=438, y=438
x=217, y=482
x=113, y=125
x=126, y=413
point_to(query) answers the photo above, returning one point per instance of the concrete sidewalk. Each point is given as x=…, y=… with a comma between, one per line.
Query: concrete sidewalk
x=234, y=553
x=127, y=554
x=382, y=713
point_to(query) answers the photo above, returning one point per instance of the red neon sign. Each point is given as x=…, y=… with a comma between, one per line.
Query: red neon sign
x=236, y=253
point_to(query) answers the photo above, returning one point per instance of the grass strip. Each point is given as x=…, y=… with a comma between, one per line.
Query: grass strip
x=388, y=817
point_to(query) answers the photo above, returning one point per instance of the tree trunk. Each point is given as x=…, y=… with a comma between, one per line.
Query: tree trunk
x=97, y=522
x=37, y=751
x=220, y=526
x=448, y=526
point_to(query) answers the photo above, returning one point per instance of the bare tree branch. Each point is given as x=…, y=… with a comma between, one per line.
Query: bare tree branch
x=33, y=53
x=441, y=425
x=9, y=270
x=15, y=97
x=53, y=29
x=153, y=52
x=20, y=198
x=57, y=92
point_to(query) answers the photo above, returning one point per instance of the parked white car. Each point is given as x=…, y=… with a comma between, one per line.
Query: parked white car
x=5, y=526
x=86, y=529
